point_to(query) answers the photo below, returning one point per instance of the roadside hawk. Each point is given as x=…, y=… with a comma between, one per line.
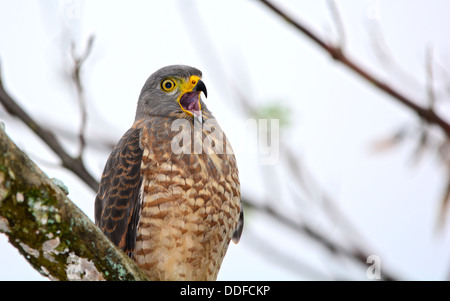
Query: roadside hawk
x=170, y=195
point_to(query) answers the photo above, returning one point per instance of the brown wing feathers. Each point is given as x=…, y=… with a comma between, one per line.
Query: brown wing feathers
x=117, y=202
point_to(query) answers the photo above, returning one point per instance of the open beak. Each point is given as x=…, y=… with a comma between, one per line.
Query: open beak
x=190, y=101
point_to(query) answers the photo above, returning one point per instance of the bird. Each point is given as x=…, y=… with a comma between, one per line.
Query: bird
x=169, y=196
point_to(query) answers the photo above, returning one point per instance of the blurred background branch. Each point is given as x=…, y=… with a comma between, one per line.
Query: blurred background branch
x=296, y=201
x=337, y=53
x=74, y=164
x=78, y=61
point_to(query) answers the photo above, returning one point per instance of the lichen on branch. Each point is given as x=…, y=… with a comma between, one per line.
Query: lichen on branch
x=53, y=234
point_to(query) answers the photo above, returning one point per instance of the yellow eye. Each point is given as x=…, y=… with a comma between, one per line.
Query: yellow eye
x=168, y=85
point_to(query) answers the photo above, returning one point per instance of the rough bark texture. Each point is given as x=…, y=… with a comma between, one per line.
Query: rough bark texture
x=53, y=234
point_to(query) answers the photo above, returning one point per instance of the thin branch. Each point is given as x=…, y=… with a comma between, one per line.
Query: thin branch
x=76, y=77
x=338, y=22
x=385, y=57
x=263, y=246
x=337, y=54
x=300, y=173
x=355, y=253
x=430, y=77
x=75, y=165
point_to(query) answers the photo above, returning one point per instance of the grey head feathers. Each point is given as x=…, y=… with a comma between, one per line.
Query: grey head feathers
x=155, y=102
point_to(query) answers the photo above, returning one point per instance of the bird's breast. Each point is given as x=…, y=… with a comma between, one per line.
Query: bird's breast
x=189, y=210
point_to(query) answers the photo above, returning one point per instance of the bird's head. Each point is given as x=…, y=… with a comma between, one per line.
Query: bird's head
x=172, y=91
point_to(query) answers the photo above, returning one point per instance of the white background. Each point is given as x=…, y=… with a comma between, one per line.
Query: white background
x=335, y=116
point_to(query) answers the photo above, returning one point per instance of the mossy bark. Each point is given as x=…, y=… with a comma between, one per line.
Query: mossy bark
x=53, y=234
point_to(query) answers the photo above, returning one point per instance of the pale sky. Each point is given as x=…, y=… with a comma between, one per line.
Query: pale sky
x=335, y=117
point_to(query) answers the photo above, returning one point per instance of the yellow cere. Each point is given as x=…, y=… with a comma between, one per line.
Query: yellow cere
x=189, y=85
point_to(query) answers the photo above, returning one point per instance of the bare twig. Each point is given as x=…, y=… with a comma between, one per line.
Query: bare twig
x=445, y=201
x=75, y=165
x=263, y=245
x=385, y=57
x=76, y=77
x=337, y=54
x=430, y=77
x=355, y=253
x=310, y=186
x=338, y=21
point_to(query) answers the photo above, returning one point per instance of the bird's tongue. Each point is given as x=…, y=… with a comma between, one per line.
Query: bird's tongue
x=190, y=102
x=193, y=106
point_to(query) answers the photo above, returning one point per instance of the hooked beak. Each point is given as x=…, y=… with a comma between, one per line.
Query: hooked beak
x=201, y=87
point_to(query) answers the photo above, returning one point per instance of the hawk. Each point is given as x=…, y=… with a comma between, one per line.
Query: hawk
x=169, y=195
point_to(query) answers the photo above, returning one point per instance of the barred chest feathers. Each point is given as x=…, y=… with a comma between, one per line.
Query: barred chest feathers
x=190, y=205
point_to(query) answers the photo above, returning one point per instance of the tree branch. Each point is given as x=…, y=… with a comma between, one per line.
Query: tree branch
x=53, y=235
x=78, y=62
x=337, y=54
